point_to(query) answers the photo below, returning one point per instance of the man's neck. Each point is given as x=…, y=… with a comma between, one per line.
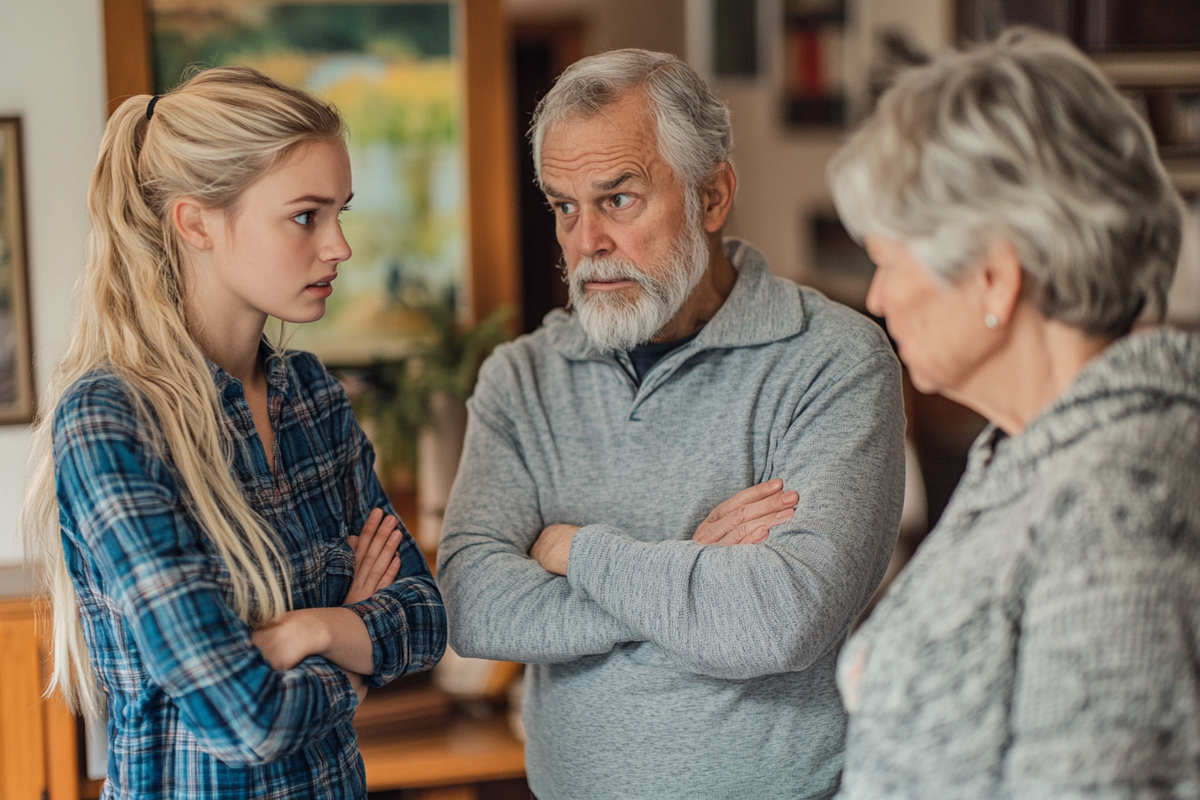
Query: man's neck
x=708, y=296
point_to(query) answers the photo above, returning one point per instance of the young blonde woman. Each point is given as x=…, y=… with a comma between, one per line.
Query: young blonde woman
x=225, y=572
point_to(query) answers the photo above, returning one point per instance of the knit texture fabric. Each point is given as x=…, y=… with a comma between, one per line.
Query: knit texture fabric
x=1043, y=641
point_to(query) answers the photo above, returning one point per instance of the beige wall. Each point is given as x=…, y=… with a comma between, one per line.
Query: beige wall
x=781, y=170
x=51, y=74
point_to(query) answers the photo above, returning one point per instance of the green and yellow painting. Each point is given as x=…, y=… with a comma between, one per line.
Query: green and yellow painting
x=394, y=71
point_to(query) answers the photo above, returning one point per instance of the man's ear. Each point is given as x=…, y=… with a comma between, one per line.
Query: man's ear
x=192, y=222
x=716, y=195
x=1001, y=280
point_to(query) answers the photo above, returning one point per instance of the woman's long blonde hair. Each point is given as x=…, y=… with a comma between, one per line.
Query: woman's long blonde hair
x=208, y=139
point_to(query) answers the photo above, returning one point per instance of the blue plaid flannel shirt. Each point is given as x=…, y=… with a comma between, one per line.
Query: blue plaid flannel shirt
x=194, y=708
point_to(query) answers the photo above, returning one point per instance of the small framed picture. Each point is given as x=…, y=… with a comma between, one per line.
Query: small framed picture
x=16, y=350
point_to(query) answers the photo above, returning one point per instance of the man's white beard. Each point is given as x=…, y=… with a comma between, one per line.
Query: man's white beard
x=613, y=322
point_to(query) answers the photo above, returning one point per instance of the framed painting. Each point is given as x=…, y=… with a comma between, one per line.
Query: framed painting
x=16, y=350
x=422, y=88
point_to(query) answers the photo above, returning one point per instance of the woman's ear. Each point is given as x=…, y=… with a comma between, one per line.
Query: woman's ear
x=1001, y=279
x=192, y=221
x=716, y=195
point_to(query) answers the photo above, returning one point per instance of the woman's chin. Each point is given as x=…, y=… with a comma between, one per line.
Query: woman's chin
x=922, y=383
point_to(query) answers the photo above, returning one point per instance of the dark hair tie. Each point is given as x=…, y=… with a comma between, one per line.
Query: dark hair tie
x=150, y=107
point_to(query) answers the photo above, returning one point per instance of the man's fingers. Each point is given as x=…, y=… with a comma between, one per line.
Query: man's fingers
x=756, y=530
x=746, y=496
x=750, y=511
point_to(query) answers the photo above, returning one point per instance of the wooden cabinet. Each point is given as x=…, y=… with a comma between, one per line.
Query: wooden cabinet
x=22, y=727
x=39, y=749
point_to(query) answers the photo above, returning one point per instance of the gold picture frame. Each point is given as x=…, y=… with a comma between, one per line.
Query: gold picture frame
x=16, y=340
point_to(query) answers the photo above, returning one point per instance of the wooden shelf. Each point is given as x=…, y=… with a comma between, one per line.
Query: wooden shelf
x=466, y=751
x=1150, y=69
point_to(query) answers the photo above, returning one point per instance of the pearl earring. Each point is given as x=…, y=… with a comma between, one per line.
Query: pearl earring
x=991, y=321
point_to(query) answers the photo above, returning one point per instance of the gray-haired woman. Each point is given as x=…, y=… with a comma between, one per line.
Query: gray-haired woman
x=1043, y=642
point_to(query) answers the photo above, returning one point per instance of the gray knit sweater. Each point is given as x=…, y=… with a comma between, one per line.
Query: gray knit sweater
x=661, y=668
x=1043, y=642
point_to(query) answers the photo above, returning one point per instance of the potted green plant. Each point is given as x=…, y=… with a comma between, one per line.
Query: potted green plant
x=417, y=404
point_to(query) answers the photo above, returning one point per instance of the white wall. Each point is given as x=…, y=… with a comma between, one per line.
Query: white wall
x=52, y=75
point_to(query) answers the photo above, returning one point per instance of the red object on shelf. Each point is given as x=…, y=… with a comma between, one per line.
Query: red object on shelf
x=812, y=79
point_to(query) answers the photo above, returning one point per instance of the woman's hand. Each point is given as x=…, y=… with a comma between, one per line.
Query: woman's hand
x=376, y=563
x=337, y=634
x=360, y=686
x=290, y=640
x=748, y=516
x=298, y=635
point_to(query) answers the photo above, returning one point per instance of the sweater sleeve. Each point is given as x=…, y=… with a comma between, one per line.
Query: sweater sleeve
x=744, y=611
x=1106, y=687
x=128, y=520
x=501, y=604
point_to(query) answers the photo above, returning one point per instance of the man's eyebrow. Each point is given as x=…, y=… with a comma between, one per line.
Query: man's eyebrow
x=608, y=186
x=321, y=200
x=599, y=186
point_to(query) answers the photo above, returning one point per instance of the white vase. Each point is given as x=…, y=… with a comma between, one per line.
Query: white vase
x=439, y=448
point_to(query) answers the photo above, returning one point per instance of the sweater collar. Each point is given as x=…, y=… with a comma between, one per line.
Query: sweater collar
x=760, y=309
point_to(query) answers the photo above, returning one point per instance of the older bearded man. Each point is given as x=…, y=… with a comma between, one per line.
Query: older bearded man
x=586, y=533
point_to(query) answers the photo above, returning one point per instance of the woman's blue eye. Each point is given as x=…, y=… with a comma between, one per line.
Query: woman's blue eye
x=305, y=218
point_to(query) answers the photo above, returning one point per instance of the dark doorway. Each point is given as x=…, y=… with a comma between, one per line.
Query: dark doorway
x=541, y=51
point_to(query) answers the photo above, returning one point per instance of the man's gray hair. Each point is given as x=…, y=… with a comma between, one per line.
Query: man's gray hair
x=1020, y=139
x=692, y=125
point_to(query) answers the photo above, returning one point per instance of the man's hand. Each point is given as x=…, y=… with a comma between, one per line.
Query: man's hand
x=376, y=564
x=553, y=547
x=748, y=516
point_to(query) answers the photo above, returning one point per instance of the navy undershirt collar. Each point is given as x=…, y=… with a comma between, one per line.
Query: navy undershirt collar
x=645, y=356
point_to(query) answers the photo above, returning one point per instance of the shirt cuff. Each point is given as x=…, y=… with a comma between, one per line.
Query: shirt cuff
x=388, y=629
x=343, y=700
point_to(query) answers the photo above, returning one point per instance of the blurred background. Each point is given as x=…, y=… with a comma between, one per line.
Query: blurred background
x=454, y=247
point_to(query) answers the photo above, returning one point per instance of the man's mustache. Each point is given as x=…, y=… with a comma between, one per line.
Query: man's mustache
x=607, y=269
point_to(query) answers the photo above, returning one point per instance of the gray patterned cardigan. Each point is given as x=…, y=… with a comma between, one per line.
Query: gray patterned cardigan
x=1043, y=642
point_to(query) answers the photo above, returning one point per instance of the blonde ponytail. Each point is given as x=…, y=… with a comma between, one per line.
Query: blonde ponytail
x=209, y=139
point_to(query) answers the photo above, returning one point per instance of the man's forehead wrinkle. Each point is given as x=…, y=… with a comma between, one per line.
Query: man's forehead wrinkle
x=607, y=170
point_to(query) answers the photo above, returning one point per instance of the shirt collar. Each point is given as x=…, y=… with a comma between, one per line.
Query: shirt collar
x=276, y=366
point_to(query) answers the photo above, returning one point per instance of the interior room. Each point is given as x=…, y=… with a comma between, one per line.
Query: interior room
x=797, y=75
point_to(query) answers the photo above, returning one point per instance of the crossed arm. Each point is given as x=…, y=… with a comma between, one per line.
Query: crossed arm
x=745, y=518
x=727, y=612
x=338, y=634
